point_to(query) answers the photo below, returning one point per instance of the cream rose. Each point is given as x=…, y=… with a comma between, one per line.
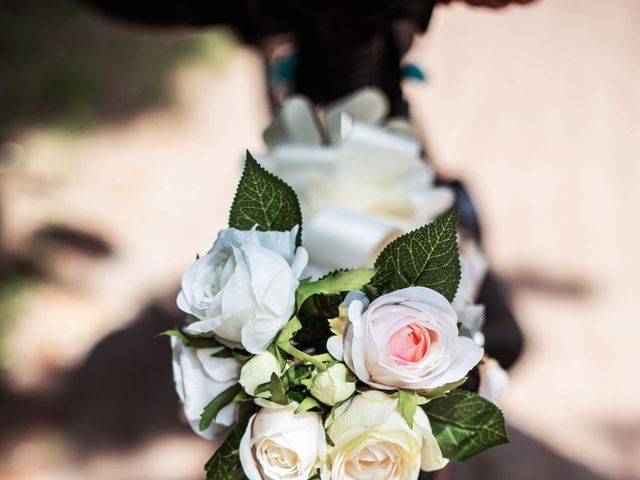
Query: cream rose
x=279, y=444
x=243, y=290
x=407, y=339
x=199, y=378
x=372, y=441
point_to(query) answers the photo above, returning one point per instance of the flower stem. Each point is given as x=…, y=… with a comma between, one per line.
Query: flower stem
x=300, y=355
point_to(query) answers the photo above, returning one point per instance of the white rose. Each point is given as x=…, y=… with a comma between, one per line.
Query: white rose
x=279, y=444
x=331, y=387
x=258, y=370
x=199, y=378
x=407, y=339
x=243, y=290
x=373, y=441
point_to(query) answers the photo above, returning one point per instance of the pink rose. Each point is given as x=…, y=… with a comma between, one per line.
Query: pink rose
x=407, y=339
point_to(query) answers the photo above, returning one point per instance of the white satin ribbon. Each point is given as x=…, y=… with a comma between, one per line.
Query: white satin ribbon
x=335, y=238
x=362, y=187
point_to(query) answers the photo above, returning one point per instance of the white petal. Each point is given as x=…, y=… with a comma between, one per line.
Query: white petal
x=469, y=356
x=258, y=334
x=356, y=295
x=237, y=294
x=247, y=459
x=203, y=327
x=354, y=342
x=300, y=262
x=182, y=303
x=219, y=369
x=431, y=456
x=335, y=346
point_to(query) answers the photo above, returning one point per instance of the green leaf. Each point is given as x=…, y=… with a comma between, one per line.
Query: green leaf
x=296, y=396
x=442, y=390
x=212, y=409
x=318, y=301
x=276, y=352
x=407, y=402
x=313, y=315
x=337, y=282
x=300, y=373
x=242, y=396
x=278, y=395
x=241, y=357
x=284, y=343
x=288, y=332
x=328, y=440
x=265, y=200
x=225, y=463
x=192, y=342
x=465, y=424
x=263, y=387
x=426, y=257
x=223, y=353
x=307, y=404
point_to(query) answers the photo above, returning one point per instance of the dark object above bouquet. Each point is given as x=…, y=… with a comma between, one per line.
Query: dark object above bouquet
x=341, y=45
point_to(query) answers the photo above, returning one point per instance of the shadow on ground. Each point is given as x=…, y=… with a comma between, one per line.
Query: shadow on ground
x=122, y=396
x=523, y=459
x=64, y=66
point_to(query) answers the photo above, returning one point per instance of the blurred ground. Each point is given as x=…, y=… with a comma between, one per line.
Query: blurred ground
x=120, y=152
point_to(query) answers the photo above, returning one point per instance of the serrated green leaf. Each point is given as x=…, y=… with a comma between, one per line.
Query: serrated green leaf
x=407, y=403
x=341, y=281
x=465, y=424
x=212, y=409
x=278, y=395
x=192, y=342
x=425, y=257
x=225, y=463
x=441, y=391
x=265, y=200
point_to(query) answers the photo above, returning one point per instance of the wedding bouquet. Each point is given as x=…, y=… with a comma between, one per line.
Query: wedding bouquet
x=352, y=375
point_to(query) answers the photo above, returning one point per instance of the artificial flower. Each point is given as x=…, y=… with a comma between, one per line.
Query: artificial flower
x=243, y=290
x=372, y=440
x=279, y=444
x=199, y=377
x=407, y=339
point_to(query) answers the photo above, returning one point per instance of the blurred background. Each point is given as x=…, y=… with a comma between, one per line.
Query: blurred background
x=120, y=148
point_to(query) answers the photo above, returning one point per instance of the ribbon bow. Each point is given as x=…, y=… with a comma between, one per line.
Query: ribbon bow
x=360, y=183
